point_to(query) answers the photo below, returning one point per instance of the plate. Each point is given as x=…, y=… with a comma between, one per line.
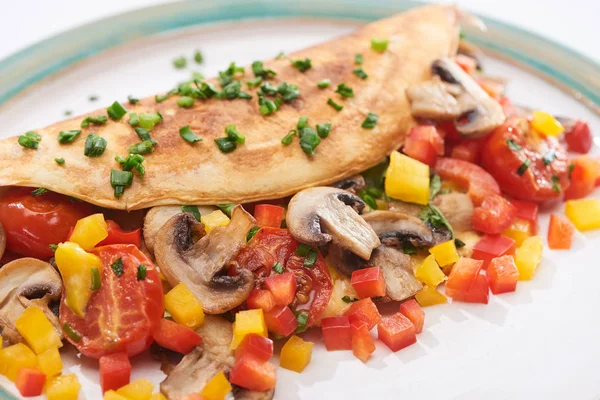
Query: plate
x=540, y=341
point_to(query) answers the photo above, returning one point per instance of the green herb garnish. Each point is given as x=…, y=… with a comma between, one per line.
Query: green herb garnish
x=116, y=111
x=133, y=119
x=118, y=267
x=227, y=208
x=514, y=146
x=96, y=281
x=252, y=232
x=254, y=82
x=370, y=121
x=267, y=106
x=459, y=243
x=408, y=248
x=30, y=140
x=141, y=272
x=433, y=216
x=288, y=91
x=53, y=247
x=268, y=89
x=358, y=59
x=68, y=113
x=311, y=258
x=198, y=57
x=302, y=318
x=132, y=100
x=302, y=249
x=71, y=333
x=144, y=135
x=379, y=45
x=189, y=136
x=233, y=90
x=93, y=98
x=360, y=73
x=287, y=139
x=345, y=90
x=347, y=299
x=149, y=120
x=229, y=143
x=226, y=77
x=278, y=267
x=120, y=179
x=435, y=185
x=94, y=146
x=325, y=83
x=38, y=192
x=323, y=130
x=367, y=198
x=302, y=122
x=523, y=167
x=185, y=101
x=59, y=161
x=68, y=136
x=192, y=210
x=144, y=147
x=180, y=62
x=309, y=140
x=556, y=184
x=99, y=120
x=133, y=161
x=259, y=70
x=280, y=55
x=335, y=105
x=161, y=98
x=302, y=65
x=549, y=157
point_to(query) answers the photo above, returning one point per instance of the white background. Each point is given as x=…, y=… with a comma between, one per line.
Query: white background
x=574, y=23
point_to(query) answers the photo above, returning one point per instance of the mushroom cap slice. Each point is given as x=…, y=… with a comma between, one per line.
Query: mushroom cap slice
x=200, y=263
x=393, y=228
x=439, y=100
x=353, y=184
x=400, y=281
x=320, y=215
x=457, y=208
x=23, y=283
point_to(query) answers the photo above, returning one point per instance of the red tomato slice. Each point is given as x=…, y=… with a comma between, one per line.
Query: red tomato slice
x=492, y=246
x=364, y=310
x=413, y=311
x=467, y=150
x=585, y=172
x=494, y=215
x=281, y=320
x=256, y=346
x=463, y=274
x=479, y=292
x=362, y=342
x=253, y=374
x=502, y=275
x=176, y=337
x=397, y=332
x=526, y=164
x=336, y=333
x=118, y=236
x=470, y=176
x=579, y=138
x=30, y=382
x=123, y=313
x=560, y=233
x=368, y=282
x=269, y=215
x=115, y=371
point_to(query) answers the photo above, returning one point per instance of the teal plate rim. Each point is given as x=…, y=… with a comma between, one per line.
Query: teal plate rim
x=563, y=67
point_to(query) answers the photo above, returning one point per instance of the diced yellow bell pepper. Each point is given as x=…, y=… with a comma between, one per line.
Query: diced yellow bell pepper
x=37, y=330
x=381, y=204
x=430, y=297
x=140, y=389
x=158, y=396
x=50, y=362
x=584, y=213
x=246, y=322
x=217, y=388
x=546, y=124
x=214, y=219
x=1, y=345
x=15, y=357
x=184, y=307
x=295, y=354
x=75, y=266
x=63, y=387
x=445, y=253
x=429, y=272
x=407, y=179
x=112, y=395
x=89, y=231
x=518, y=231
x=528, y=257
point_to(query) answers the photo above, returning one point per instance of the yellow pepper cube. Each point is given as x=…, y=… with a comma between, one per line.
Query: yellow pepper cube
x=214, y=219
x=246, y=322
x=430, y=297
x=112, y=395
x=528, y=257
x=445, y=253
x=546, y=124
x=37, y=330
x=1, y=346
x=63, y=387
x=217, y=388
x=518, y=231
x=158, y=396
x=407, y=179
x=429, y=272
x=89, y=231
x=50, y=362
x=381, y=204
x=185, y=308
x=140, y=389
x=15, y=357
x=584, y=213
x=295, y=354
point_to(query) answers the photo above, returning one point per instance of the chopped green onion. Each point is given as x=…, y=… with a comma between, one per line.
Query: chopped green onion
x=133, y=119
x=370, y=121
x=233, y=91
x=144, y=147
x=99, y=120
x=59, y=161
x=185, y=101
x=258, y=69
x=68, y=113
x=233, y=134
x=323, y=130
x=409, y=249
x=379, y=45
x=288, y=91
x=53, y=247
x=116, y=111
x=119, y=190
x=367, y=198
x=192, y=210
x=345, y=90
x=96, y=281
x=268, y=89
x=311, y=258
x=358, y=59
x=266, y=106
x=189, y=136
x=309, y=140
x=93, y=98
x=302, y=122
x=347, y=299
x=227, y=208
x=198, y=57
x=302, y=65
x=161, y=98
x=523, y=167
x=514, y=146
x=435, y=185
x=71, y=333
x=30, y=140
x=94, y=146
x=149, y=120
x=68, y=136
x=38, y=192
x=120, y=179
x=254, y=82
x=360, y=73
x=287, y=139
x=132, y=100
x=141, y=272
x=280, y=55
x=226, y=77
x=325, y=83
x=459, y=243
x=197, y=76
x=252, y=232
x=180, y=62
x=133, y=161
x=144, y=135
x=225, y=145
x=549, y=157
x=278, y=267
x=118, y=267
x=556, y=184
x=302, y=318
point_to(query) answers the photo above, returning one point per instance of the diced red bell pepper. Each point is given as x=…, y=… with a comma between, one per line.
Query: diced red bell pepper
x=256, y=346
x=364, y=310
x=464, y=274
x=479, y=292
x=116, y=235
x=282, y=287
x=494, y=215
x=583, y=178
x=560, y=232
x=467, y=150
x=269, y=215
x=252, y=374
x=579, y=138
x=173, y=336
x=115, y=371
x=368, y=282
x=362, y=342
x=507, y=106
x=397, y=332
x=528, y=211
x=336, y=333
x=30, y=382
x=262, y=299
x=468, y=64
x=502, y=275
x=492, y=246
x=413, y=311
x=479, y=182
x=281, y=320
x=424, y=143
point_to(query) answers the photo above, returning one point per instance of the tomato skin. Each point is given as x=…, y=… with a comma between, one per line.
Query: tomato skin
x=115, y=371
x=583, y=178
x=494, y=215
x=336, y=333
x=176, y=337
x=536, y=183
x=478, y=181
x=397, y=332
x=33, y=223
x=560, y=233
x=140, y=303
x=116, y=235
x=579, y=138
x=467, y=150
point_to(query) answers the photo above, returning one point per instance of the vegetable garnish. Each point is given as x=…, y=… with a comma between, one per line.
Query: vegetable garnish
x=459, y=243
x=368, y=198
x=268, y=89
x=71, y=333
x=233, y=90
x=323, y=130
x=93, y=98
x=302, y=65
x=227, y=208
x=144, y=147
x=288, y=91
x=325, y=83
x=120, y=179
x=287, y=139
x=435, y=185
x=549, y=157
x=99, y=120
x=345, y=90
x=94, y=145
x=227, y=76
x=149, y=120
x=267, y=106
x=254, y=82
x=360, y=73
x=197, y=76
x=132, y=100
x=434, y=217
x=280, y=55
x=408, y=248
x=161, y=98
x=117, y=267
x=144, y=135
x=358, y=59
x=370, y=121
x=311, y=258
x=229, y=143
x=189, y=136
x=30, y=140
x=252, y=232
x=68, y=136
x=68, y=113
x=309, y=140
x=514, y=146
x=141, y=272
x=59, y=161
x=53, y=247
x=193, y=210
x=347, y=299
x=185, y=101
x=379, y=45
x=133, y=161
x=258, y=69
x=116, y=111
x=302, y=318
x=198, y=57
x=133, y=119
x=302, y=122
x=335, y=105
x=523, y=167
x=278, y=267
x=96, y=282
x=556, y=184
x=38, y=192
x=180, y=62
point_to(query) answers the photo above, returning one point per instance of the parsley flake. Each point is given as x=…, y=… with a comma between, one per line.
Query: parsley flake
x=523, y=167
x=345, y=90
x=370, y=121
x=302, y=65
x=118, y=267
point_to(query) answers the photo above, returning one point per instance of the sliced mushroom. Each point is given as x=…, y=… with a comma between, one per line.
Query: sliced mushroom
x=158, y=216
x=354, y=184
x=400, y=281
x=345, y=261
x=395, y=228
x=320, y=215
x=439, y=100
x=410, y=209
x=23, y=283
x=201, y=263
x=2, y=240
x=457, y=208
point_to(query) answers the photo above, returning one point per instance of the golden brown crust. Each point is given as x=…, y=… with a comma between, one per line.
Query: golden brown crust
x=182, y=173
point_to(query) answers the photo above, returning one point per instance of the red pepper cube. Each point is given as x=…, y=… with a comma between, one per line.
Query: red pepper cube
x=336, y=333
x=116, y=235
x=364, y=310
x=269, y=215
x=528, y=211
x=492, y=246
x=502, y=275
x=463, y=275
x=30, y=382
x=281, y=320
x=176, y=337
x=413, y=311
x=368, y=282
x=424, y=143
x=397, y=332
x=253, y=345
x=253, y=374
x=362, y=342
x=262, y=299
x=479, y=292
x=115, y=371
x=282, y=287
x=579, y=138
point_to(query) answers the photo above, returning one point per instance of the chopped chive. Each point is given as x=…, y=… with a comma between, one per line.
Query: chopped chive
x=116, y=111
x=30, y=140
x=94, y=146
x=185, y=101
x=302, y=249
x=288, y=91
x=225, y=145
x=96, y=281
x=409, y=249
x=287, y=139
x=347, y=299
x=144, y=147
x=227, y=76
x=132, y=100
x=141, y=272
x=268, y=89
x=368, y=198
x=144, y=135
x=71, y=333
x=119, y=190
x=227, y=208
x=459, y=243
x=325, y=83
x=120, y=179
x=311, y=258
x=360, y=73
x=99, y=120
x=523, y=167
x=133, y=119
x=189, y=136
x=345, y=90
x=514, y=146
x=38, y=192
x=258, y=69
x=59, y=161
x=370, y=121
x=302, y=318
x=302, y=65
x=118, y=267
x=309, y=140
x=53, y=247
x=280, y=55
x=335, y=105
x=192, y=210
x=549, y=157
x=278, y=267
x=556, y=184
x=254, y=82
x=266, y=106
x=233, y=90
x=234, y=134
x=323, y=130
x=68, y=113
x=252, y=232
x=229, y=143
x=149, y=120
x=161, y=98
x=68, y=136
x=198, y=57
x=197, y=76
x=358, y=59
x=302, y=122
x=379, y=45
x=180, y=62
x=133, y=161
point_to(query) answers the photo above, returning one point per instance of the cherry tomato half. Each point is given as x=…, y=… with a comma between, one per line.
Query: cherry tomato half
x=32, y=223
x=123, y=313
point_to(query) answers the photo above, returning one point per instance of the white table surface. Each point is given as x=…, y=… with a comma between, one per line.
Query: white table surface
x=573, y=23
